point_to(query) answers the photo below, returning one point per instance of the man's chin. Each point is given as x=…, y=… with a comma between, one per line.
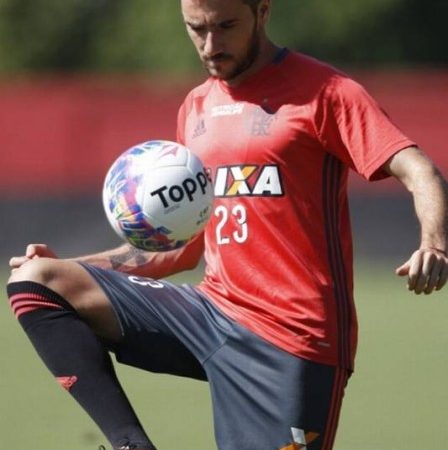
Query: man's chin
x=221, y=71
x=216, y=73
x=229, y=73
x=224, y=75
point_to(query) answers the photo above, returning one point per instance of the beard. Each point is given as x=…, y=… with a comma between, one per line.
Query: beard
x=241, y=65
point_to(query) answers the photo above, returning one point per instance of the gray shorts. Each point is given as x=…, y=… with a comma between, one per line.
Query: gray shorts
x=263, y=397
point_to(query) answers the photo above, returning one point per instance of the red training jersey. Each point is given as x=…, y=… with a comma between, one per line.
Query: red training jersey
x=278, y=248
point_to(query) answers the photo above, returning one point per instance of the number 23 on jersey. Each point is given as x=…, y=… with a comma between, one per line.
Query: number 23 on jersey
x=237, y=215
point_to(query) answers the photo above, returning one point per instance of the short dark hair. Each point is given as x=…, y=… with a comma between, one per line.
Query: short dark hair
x=253, y=4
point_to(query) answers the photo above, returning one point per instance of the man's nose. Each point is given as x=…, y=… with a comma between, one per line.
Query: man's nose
x=212, y=44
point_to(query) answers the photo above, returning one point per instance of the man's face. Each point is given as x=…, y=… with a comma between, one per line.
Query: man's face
x=226, y=34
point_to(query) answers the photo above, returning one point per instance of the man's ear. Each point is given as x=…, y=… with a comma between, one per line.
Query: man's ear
x=265, y=7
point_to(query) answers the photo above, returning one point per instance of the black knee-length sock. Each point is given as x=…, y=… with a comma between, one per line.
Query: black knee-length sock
x=78, y=360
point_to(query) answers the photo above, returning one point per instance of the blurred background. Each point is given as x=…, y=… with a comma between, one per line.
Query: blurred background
x=82, y=80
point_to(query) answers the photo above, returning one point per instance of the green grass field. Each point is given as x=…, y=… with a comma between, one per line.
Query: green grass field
x=396, y=400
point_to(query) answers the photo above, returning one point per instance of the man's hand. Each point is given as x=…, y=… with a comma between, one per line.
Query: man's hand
x=32, y=251
x=427, y=270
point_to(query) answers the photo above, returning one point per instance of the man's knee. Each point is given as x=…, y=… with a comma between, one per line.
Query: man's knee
x=39, y=270
x=63, y=277
x=71, y=282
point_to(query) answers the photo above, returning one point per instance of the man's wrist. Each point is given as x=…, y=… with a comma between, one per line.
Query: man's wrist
x=437, y=249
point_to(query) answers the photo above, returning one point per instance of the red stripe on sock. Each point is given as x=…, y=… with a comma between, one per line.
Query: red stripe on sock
x=29, y=296
x=23, y=309
x=24, y=303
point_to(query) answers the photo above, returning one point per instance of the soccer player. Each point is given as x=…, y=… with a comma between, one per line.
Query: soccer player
x=272, y=326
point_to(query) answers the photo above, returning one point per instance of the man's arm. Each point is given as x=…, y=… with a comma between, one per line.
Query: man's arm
x=149, y=264
x=129, y=259
x=427, y=268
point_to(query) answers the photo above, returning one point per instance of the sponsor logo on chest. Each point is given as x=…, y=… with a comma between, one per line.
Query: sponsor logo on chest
x=233, y=109
x=248, y=180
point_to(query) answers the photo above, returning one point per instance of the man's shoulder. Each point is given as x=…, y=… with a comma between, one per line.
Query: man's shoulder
x=310, y=75
x=310, y=68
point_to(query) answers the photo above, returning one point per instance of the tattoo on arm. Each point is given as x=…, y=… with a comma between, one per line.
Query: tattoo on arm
x=129, y=257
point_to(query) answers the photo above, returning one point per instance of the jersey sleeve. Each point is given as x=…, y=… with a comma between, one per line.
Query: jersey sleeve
x=351, y=125
x=180, y=130
x=182, y=115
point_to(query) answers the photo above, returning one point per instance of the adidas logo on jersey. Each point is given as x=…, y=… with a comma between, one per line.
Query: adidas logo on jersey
x=200, y=129
x=248, y=180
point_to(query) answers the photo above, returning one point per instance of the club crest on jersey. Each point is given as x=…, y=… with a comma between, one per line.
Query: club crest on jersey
x=248, y=180
x=261, y=120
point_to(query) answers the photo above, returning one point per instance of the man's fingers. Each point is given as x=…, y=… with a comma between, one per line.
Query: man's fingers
x=428, y=267
x=415, y=266
x=443, y=278
x=403, y=270
x=428, y=271
x=16, y=261
x=434, y=273
x=33, y=250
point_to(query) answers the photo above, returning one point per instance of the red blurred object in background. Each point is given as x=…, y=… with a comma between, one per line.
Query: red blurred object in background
x=58, y=135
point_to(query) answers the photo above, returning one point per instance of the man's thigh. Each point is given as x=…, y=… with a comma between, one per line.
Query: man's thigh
x=165, y=327
x=267, y=399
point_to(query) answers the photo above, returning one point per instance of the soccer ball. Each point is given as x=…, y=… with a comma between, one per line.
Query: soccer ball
x=157, y=195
